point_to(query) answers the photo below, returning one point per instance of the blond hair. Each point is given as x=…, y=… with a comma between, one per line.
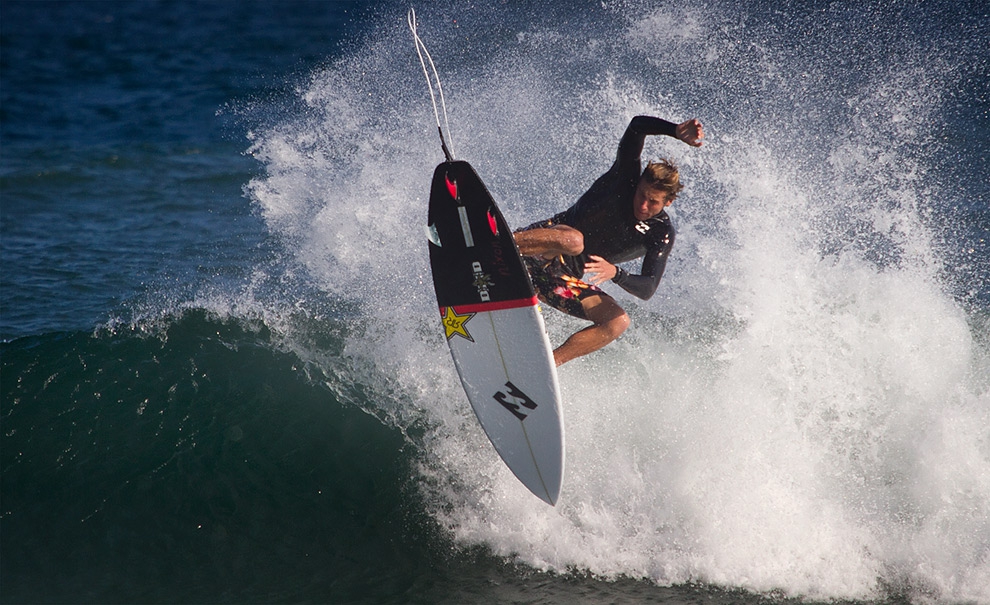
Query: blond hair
x=663, y=176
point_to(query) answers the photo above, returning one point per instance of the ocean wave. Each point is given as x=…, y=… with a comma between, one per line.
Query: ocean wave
x=198, y=454
x=793, y=447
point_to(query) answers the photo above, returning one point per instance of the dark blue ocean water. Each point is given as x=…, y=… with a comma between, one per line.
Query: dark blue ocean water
x=221, y=379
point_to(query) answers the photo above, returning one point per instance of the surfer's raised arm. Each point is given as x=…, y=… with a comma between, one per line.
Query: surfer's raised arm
x=631, y=144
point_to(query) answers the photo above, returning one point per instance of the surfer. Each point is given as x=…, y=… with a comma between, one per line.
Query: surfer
x=620, y=218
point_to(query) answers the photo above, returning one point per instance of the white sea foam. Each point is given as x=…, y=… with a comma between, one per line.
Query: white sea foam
x=802, y=407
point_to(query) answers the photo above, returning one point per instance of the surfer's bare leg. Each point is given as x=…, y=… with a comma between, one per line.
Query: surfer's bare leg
x=610, y=321
x=549, y=242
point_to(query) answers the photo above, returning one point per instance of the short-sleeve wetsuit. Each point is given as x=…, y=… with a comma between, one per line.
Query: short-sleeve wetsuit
x=604, y=215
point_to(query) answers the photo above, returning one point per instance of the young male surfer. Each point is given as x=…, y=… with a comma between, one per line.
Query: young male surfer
x=620, y=218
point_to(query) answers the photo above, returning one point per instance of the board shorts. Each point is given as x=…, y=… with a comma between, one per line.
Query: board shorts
x=554, y=282
x=557, y=287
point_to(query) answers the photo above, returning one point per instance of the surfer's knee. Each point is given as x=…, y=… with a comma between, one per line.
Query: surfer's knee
x=618, y=324
x=569, y=239
x=608, y=315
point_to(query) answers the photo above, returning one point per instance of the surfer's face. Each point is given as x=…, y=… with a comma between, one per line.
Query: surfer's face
x=648, y=202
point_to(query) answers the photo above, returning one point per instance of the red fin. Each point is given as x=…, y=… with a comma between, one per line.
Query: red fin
x=451, y=186
x=492, y=224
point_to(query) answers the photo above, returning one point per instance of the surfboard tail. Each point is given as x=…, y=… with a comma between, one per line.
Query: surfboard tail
x=517, y=397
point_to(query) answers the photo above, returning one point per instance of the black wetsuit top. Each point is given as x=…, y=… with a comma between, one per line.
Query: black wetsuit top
x=604, y=214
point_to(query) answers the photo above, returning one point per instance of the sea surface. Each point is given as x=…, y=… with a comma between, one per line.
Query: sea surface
x=223, y=377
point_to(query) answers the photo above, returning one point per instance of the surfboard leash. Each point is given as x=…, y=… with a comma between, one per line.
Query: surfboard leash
x=421, y=51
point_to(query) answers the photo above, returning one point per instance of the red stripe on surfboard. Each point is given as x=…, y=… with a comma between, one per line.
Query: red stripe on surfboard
x=494, y=306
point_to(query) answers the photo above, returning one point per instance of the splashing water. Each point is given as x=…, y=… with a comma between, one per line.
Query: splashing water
x=804, y=407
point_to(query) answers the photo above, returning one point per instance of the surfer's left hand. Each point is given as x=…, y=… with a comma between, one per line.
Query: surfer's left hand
x=691, y=132
x=599, y=270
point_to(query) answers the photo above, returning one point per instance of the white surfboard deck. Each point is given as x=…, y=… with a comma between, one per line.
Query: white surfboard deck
x=511, y=382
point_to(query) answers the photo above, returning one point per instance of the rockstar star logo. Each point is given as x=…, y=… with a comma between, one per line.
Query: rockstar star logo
x=454, y=324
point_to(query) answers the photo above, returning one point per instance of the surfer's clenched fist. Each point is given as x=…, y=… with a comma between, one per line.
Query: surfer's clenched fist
x=691, y=132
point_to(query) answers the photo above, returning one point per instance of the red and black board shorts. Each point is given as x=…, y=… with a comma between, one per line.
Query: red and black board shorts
x=554, y=282
x=557, y=287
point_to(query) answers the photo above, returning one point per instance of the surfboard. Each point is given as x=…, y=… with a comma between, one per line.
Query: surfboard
x=494, y=328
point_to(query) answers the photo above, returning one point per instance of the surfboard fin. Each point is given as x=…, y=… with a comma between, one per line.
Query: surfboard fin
x=451, y=187
x=433, y=236
x=492, y=224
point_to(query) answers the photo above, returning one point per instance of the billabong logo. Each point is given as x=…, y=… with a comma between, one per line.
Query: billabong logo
x=642, y=227
x=518, y=399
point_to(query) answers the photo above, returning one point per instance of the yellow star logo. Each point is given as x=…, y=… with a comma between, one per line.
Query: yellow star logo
x=454, y=324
